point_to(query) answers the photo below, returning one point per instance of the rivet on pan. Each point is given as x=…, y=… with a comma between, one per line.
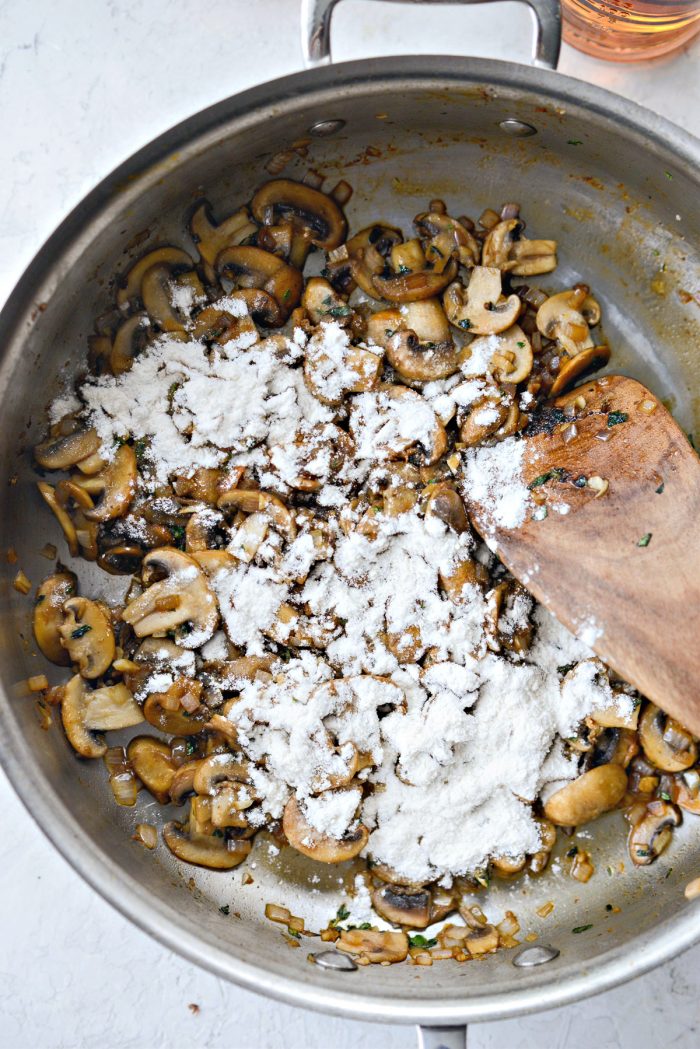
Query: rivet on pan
x=530, y=956
x=334, y=960
x=517, y=128
x=324, y=128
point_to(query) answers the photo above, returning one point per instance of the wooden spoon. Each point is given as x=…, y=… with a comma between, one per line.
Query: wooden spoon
x=621, y=566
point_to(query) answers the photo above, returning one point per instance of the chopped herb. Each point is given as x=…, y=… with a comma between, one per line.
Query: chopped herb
x=338, y=311
x=556, y=474
x=174, y=386
x=286, y=295
x=190, y=748
x=325, y=272
x=565, y=668
x=582, y=928
x=610, y=871
x=608, y=906
x=521, y=345
x=225, y=909
x=572, y=851
x=294, y=933
x=403, y=270
x=574, y=142
x=465, y=324
x=80, y=631
x=217, y=833
x=178, y=536
x=615, y=418
x=388, y=332
x=656, y=251
x=342, y=913
x=660, y=489
x=580, y=482
x=481, y=877
x=664, y=796
x=668, y=174
x=645, y=540
x=140, y=449
x=421, y=941
x=669, y=872
x=642, y=853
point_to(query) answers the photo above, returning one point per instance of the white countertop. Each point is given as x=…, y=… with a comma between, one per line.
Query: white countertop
x=83, y=83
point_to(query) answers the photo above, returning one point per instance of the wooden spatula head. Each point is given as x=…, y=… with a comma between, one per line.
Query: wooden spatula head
x=611, y=544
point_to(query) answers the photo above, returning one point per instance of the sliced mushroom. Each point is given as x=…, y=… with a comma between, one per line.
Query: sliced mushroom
x=446, y=505
x=315, y=217
x=373, y=945
x=250, y=267
x=447, y=237
x=122, y=559
x=211, y=238
x=86, y=633
x=317, y=846
x=152, y=762
x=413, y=285
x=510, y=361
x=653, y=832
x=417, y=340
x=666, y=743
x=480, y=307
x=164, y=710
x=506, y=249
x=129, y=341
x=58, y=453
x=587, y=797
x=182, y=784
x=492, y=413
x=254, y=501
x=560, y=318
x=157, y=296
x=573, y=368
x=402, y=908
x=48, y=615
x=84, y=712
x=175, y=259
x=204, y=850
x=323, y=303
x=482, y=940
x=367, y=252
x=330, y=379
x=182, y=601
x=219, y=769
x=116, y=484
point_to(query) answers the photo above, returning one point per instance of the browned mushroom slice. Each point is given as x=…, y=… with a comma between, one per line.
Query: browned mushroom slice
x=48, y=494
x=365, y=257
x=152, y=762
x=157, y=294
x=315, y=217
x=58, y=453
x=204, y=850
x=165, y=710
x=129, y=340
x=182, y=784
x=254, y=501
x=122, y=559
x=650, y=835
x=375, y=946
x=211, y=238
x=666, y=743
x=87, y=634
x=303, y=837
x=481, y=307
x=85, y=712
x=323, y=303
x=403, y=908
x=250, y=267
x=175, y=259
x=116, y=484
x=561, y=318
x=417, y=340
x=571, y=369
x=587, y=797
x=182, y=601
x=412, y=286
x=447, y=237
x=446, y=505
x=48, y=615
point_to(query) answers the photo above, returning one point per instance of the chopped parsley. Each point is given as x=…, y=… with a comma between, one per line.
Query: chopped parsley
x=574, y=142
x=565, y=668
x=178, y=536
x=341, y=914
x=645, y=540
x=294, y=933
x=521, y=345
x=80, y=631
x=403, y=270
x=668, y=174
x=190, y=748
x=573, y=851
x=421, y=941
x=615, y=418
x=556, y=474
x=664, y=796
x=580, y=482
x=582, y=928
x=225, y=909
x=465, y=324
x=660, y=489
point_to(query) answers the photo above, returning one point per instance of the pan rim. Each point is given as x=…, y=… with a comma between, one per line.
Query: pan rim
x=53, y=817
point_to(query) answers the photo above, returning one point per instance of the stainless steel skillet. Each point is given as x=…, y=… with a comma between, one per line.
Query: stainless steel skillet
x=595, y=175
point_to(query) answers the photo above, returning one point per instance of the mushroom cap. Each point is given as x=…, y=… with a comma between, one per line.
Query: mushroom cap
x=317, y=846
x=128, y=340
x=666, y=743
x=185, y=588
x=87, y=634
x=152, y=761
x=84, y=711
x=560, y=318
x=307, y=209
x=251, y=267
x=374, y=945
x=48, y=615
x=650, y=835
x=573, y=368
x=204, y=850
x=58, y=453
x=73, y=716
x=587, y=797
x=403, y=908
x=480, y=307
x=117, y=481
x=175, y=259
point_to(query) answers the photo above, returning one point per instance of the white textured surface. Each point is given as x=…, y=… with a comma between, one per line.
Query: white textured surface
x=83, y=83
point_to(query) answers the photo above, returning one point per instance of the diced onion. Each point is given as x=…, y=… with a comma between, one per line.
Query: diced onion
x=125, y=788
x=274, y=913
x=147, y=834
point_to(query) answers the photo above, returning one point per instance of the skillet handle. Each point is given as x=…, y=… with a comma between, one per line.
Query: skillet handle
x=316, y=29
x=442, y=1037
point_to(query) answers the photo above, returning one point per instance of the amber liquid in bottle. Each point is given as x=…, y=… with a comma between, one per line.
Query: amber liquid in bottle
x=630, y=31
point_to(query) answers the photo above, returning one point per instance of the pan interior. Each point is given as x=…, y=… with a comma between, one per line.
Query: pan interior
x=625, y=215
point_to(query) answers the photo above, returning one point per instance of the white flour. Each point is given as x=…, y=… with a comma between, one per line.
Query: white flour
x=445, y=755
